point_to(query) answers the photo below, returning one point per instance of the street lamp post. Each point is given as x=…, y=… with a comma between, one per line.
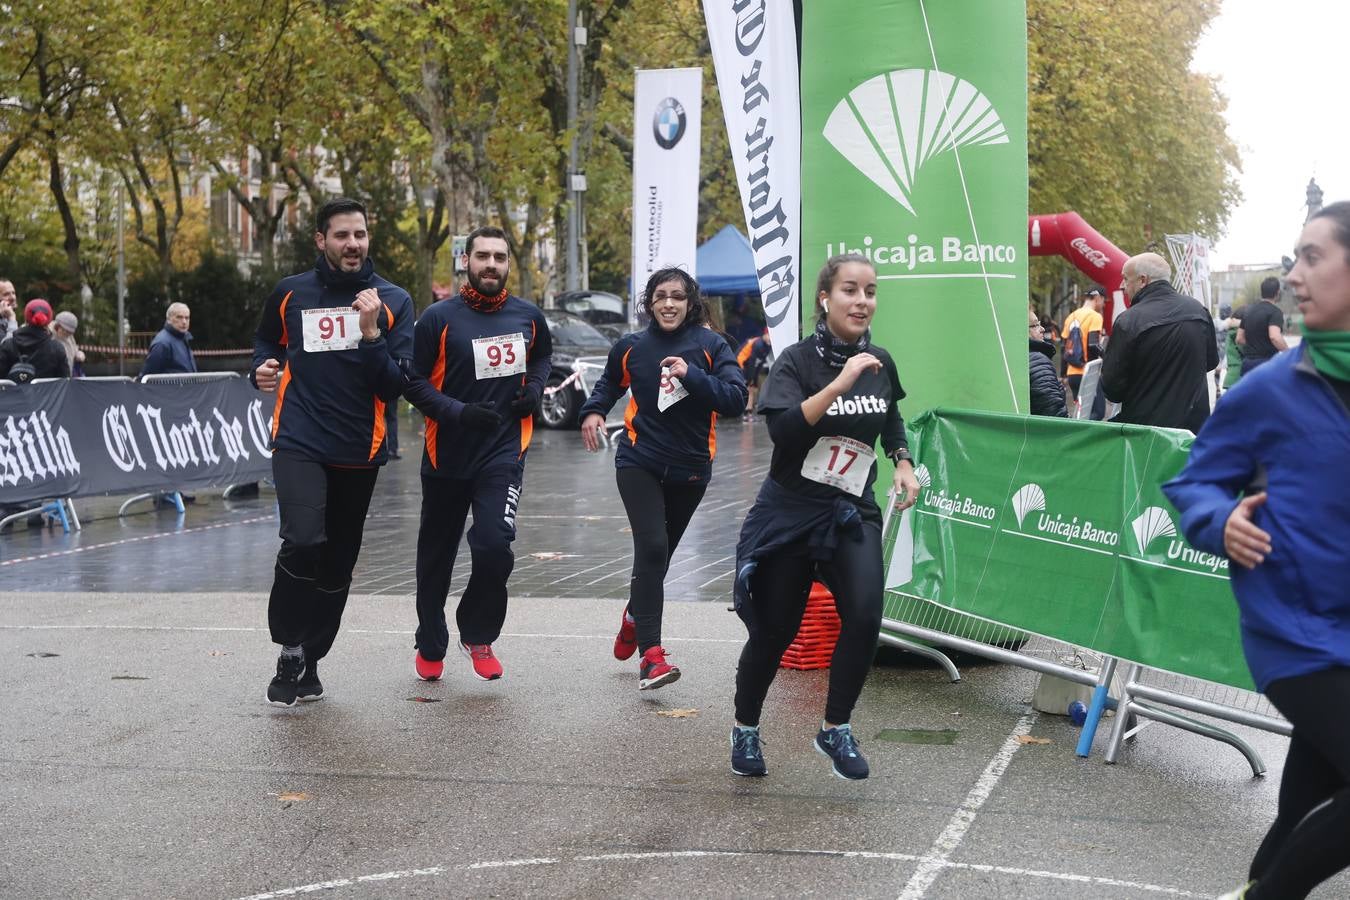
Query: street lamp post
x=576, y=181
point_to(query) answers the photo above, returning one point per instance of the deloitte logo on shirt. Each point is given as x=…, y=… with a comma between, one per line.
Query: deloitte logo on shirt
x=857, y=406
x=1035, y=521
x=1155, y=523
x=955, y=507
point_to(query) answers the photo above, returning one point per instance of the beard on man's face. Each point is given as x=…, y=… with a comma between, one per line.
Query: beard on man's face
x=488, y=281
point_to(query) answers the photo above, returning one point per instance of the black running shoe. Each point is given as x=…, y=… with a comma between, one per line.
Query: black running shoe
x=746, y=756
x=309, y=688
x=841, y=747
x=286, y=685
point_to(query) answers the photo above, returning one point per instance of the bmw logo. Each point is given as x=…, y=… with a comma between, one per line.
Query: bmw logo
x=668, y=124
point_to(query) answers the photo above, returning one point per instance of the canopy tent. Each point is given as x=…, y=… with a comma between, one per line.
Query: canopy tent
x=726, y=264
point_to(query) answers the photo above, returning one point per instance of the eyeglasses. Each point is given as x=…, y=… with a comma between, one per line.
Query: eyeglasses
x=676, y=297
x=1034, y=325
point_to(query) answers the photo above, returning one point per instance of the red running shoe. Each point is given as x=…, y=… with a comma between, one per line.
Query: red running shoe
x=429, y=670
x=654, y=671
x=625, y=645
x=485, y=665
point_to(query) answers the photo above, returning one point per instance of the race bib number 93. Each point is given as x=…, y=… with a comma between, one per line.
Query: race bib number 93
x=495, y=357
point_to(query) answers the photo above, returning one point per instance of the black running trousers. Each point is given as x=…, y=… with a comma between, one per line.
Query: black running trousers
x=1310, y=840
x=323, y=516
x=658, y=512
x=494, y=496
x=779, y=589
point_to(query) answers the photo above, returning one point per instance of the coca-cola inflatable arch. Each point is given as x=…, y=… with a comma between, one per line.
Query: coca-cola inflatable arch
x=1066, y=234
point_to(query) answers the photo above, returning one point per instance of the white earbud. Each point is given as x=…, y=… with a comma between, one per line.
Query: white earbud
x=825, y=307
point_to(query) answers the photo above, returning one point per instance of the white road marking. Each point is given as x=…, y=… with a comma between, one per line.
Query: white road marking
x=432, y=871
x=132, y=540
x=936, y=859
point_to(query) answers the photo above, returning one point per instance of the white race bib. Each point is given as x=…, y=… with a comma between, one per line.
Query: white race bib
x=496, y=357
x=671, y=391
x=338, y=328
x=840, y=462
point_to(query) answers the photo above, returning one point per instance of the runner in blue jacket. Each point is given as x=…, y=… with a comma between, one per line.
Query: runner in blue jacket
x=682, y=376
x=1268, y=485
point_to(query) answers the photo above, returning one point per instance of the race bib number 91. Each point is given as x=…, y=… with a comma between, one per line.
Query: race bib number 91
x=338, y=328
x=495, y=357
x=840, y=462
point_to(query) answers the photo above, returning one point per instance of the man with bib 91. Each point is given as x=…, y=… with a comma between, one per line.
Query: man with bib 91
x=334, y=344
x=480, y=361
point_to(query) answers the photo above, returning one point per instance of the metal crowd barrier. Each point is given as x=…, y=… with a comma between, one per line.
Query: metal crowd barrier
x=1142, y=694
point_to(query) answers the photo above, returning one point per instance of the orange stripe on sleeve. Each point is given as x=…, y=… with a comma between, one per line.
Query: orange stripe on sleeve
x=390, y=314
x=437, y=379
x=285, y=333
x=281, y=399
x=377, y=433
x=712, y=437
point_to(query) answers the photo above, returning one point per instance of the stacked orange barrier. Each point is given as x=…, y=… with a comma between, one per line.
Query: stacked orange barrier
x=814, y=644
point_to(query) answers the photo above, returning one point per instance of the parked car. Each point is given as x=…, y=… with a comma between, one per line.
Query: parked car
x=572, y=337
x=606, y=311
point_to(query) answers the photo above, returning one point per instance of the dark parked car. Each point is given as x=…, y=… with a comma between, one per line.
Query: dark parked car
x=572, y=337
x=606, y=311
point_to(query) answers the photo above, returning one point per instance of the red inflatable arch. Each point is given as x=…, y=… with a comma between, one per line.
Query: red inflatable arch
x=1066, y=234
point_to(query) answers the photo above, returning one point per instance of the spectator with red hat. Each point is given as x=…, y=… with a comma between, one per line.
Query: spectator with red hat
x=30, y=352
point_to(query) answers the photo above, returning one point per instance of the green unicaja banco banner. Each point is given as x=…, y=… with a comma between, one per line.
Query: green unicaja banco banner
x=1060, y=527
x=914, y=153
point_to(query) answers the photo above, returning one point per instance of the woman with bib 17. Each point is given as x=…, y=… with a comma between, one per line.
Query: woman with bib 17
x=828, y=400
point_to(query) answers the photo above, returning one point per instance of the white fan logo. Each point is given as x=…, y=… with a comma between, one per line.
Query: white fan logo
x=1153, y=523
x=890, y=125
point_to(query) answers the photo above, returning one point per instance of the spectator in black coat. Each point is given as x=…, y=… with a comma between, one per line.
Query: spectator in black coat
x=1161, y=352
x=32, y=343
x=1047, y=392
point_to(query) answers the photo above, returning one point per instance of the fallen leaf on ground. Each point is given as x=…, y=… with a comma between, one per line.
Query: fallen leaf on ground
x=220, y=653
x=677, y=713
x=131, y=678
x=293, y=797
x=42, y=655
x=424, y=699
x=1028, y=739
x=551, y=554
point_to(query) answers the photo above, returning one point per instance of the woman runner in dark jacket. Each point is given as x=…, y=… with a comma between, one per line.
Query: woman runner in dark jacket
x=828, y=400
x=682, y=377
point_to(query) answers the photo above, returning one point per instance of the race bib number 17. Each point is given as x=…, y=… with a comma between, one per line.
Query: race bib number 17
x=495, y=357
x=338, y=328
x=840, y=462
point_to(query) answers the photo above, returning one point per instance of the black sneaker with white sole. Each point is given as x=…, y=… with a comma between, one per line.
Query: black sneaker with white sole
x=309, y=688
x=747, y=757
x=286, y=684
x=841, y=747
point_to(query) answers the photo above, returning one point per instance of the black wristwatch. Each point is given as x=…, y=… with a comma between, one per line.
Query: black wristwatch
x=899, y=455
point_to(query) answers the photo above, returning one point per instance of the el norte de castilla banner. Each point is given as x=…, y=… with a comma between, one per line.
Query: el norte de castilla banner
x=76, y=437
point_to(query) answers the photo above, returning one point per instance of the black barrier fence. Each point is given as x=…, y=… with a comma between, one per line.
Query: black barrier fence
x=79, y=437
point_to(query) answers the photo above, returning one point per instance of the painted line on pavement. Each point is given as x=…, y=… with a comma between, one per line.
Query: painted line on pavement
x=432, y=871
x=938, y=855
x=132, y=540
x=384, y=631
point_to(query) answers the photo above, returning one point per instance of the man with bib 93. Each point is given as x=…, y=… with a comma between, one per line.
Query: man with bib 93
x=828, y=400
x=480, y=361
x=333, y=344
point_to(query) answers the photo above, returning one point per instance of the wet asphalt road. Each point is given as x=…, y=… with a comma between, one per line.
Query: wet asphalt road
x=138, y=759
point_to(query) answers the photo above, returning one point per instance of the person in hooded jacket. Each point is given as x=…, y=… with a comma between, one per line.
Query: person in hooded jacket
x=1267, y=485
x=1047, y=392
x=682, y=377
x=32, y=344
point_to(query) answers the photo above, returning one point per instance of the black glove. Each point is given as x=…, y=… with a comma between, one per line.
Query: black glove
x=479, y=416
x=525, y=403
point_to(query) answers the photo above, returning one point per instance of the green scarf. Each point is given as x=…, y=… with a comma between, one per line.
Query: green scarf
x=1330, y=352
